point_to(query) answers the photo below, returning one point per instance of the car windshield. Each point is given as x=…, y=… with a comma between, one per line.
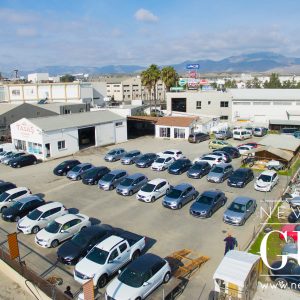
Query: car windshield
x=132, y=278
x=3, y=196
x=265, y=178
x=53, y=227
x=169, y=152
x=17, y=205
x=80, y=239
x=91, y=172
x=205, y=200
x=34, y=215
x=98, y=256
x=76, y=169
x=113, y=152
x=127, y=182
x=208, y=158
x=256, y=129
x=217, y=170
x=148, y=188
x=239, y=174
x=160, y=160
x=131, y=154
x=108, y=177
x=237, y=207
x=174, y=194
x=197, y=167
x=64, y=163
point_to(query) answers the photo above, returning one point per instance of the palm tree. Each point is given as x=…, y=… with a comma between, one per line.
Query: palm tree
x=169, y=77
x=154, y=72
x=147, y=83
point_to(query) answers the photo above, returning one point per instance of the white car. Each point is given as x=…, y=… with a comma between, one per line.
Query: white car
x=211, y=159
x=9, y=197
x=139, y=279
x=176, y=154
x=266, y=181
x=153, y=190
x=162, y=163
x=244, y=148
x=61, y=229
x=40, y=217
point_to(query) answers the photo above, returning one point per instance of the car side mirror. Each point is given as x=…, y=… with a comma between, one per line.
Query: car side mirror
x=63, y=231
x=119, y=271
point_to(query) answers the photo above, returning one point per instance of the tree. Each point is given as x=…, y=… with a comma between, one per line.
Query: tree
x=67, y=78
x=288, y=84
x=169, y=77
x=256, y=83
x=147, y=83
x=273, y=83
x=230, y=84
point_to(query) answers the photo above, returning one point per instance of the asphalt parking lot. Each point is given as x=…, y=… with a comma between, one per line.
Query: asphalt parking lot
x=168, y=230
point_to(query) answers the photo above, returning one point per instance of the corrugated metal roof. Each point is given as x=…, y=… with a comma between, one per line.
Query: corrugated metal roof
x=284, y=122
x=75, y=120
x=281, y=141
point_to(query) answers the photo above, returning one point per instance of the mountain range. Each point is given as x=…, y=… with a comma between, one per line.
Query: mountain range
x=253, y=62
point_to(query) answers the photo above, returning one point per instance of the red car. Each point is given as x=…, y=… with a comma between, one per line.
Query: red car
x=291, y=235
x=251, y=144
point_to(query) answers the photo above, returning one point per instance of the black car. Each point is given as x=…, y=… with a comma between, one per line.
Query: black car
x=285, y=276
x=146, y=160
x=198, y=169
x=24, y=160
x=232, y=151
x=5, y=186
x=240, y=177
x=207, y=203
x=21, y=208
x=93, y=175
x=71, y=251
x=63, y=168
x=179, y=166
x=294, y=216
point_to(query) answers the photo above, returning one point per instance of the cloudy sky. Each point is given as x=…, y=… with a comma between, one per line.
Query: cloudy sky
x=37, y=33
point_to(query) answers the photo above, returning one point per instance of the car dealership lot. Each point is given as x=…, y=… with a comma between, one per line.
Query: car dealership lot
x=168, y=230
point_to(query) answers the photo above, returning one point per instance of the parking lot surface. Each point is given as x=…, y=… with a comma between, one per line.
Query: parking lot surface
x=167, y=230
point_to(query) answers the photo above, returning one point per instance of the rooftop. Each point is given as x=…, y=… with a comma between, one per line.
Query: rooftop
x=176, y=121
x=281, y=141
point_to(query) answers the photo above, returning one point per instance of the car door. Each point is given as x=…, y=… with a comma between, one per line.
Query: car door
x=114, y=260
x=189, y=194
x=124, y=255
x=161, y=189
x=53, y=213
x=249, y=208
x=146, y=287
x=45, y=218
x=217, y=202
x=75, y=226
x=65, y=231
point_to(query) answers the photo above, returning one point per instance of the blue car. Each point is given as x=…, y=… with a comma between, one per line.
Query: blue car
x=131, y=184
x=146, y=160
x=78, y=171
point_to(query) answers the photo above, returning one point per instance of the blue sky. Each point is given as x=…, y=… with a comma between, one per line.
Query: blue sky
x=97, y=32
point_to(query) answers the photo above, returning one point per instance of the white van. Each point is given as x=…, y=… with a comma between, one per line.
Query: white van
x=242, y=134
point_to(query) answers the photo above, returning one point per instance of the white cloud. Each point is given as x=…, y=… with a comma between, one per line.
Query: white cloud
x=145, y=15
x=17, y=17
x=26, y=32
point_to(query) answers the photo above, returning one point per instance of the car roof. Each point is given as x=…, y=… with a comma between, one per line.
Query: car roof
x=83, y=164
x=116, y=149
x=115, y=172
x=156, y=181
x=132, y=151
x=92, y=230
x=182, y=186
x=109, y=243
x=136, y=175
x=242, y=199
x=149, y=153
x=210, y=155
x=29, y=198
x=15, y=190
x=212, y=193
x=49, y=206
x=268, y=173
x=165, y=156
x=66, y=218
x=6, y=183
x=223, y=165
x=243, y=170
x=145, y=262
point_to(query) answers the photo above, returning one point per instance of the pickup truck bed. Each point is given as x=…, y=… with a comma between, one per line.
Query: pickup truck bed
x=132, y=238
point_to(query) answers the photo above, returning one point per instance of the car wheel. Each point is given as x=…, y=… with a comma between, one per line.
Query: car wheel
x=35, y=230
x=179, y=206
x=82, y=228
x=281, y=283
x=3, y=208
x=243, y=222
x=35, y=162
x=54, y=243
x=18, y=166
x=167, y=277
x=102, y=281
x=78, y=177
x=135, y=255
x=138, y=298
x=64, y=173
x=95, y=182
x=130, y=193
x=17, y=219
x=152, y=199
x=290, y=239
x=111, y=187
x=209, y=214
x=167, y=191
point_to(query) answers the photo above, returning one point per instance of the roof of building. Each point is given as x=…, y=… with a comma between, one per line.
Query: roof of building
x=143, y=118
x=55, y=107
x=284, y=122
x=5, y=107
x=265, y=94
x=242, y=262
x=293, y=112
x=75, y=120
x=176, y=121
x=281, y=141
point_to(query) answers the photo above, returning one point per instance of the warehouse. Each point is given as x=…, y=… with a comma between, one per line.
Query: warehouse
x=58, y=136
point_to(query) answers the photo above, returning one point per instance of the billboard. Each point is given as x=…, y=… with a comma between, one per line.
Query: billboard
x=193, y=66
x=193, y=84
x=182, y=81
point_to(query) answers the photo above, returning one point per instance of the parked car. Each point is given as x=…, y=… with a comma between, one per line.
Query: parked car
x=64, y=167
x=24, y=160
x=225, y=156
x=296, y=134
x=162, y=163
x=61, y=229
x=9, y=197
x=266, y=181
x=179, y=166
x=294, y=202
x=211, y=159
x=93, y=175
x=179, y=195
x=6, y=154
x=131, y=184
x=242, y=134
x=217, y=144
x=198, y=137
x=275, y=165
x=251, y=144
x=289, y=131
x=244, y=148
x=140, y=278
x=153, y=190
x=40, y=217
x=294, y=216
x=131, y=157
x=291, y=251
x=146, y=160
x=77, y=172
x=232, y=151
x=291, y=230
x=260, y=131
x=240, y=177
x=6, y=160
x=110, y=180
x=114, y=154
x=176, y=154
x=219, y=173
x=82, y=242
x=107, y=257
x=240, y=209
x=285, y=276
x=5, y=186
x=223, y=134
x=21, y=208
x=198, y=169
x=208, y=203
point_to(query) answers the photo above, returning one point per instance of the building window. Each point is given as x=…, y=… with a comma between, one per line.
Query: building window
x=15, y=92
x=224, y=104
x=164, y=132
x=67, y=111
x=61, y=145
x=224, y=118
x=179, y=133
x=198, y=104
x=118, y=124
x=209, y=102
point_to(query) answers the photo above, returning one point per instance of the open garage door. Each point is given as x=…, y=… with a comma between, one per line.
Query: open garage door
x=105, y=134
x=86, y=137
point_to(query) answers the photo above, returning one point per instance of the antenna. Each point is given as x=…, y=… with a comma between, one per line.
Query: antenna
x=16, y=73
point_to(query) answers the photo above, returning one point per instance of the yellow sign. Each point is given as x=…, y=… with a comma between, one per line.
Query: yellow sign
x=13, y=245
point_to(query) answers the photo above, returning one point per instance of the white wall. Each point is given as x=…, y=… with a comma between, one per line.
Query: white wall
x=172, y=136
x=121, y=132
x=37, y=77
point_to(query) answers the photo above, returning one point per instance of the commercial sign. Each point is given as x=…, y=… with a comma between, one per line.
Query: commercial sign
x=176, y=89
x=25, y=129
x=193, y=74
x=182, y=81
x=193, y=84
x=192, y=66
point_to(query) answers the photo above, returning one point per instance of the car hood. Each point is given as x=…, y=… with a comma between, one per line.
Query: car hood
x=156, y=164
x=196, y=206
x=26, y=222
x=89, y=177
x=262, y=183
x=175, y=168
x=233, y=214
x=122, y=187
x=167, y=199
x=45, y=235
x=214, y=175
x=69, y=250
x=142, y=161
x=195, y=172
x=236, y=179
x=10, y=211
x=88, y=267
x=118, y=290
x=295, y=201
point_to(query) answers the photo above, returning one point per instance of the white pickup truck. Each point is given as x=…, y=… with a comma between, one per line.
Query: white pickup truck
x=108, y=257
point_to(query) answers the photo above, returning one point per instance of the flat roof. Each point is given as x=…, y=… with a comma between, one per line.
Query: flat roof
x=281, y=141
x=284, y=122
x=75, y=120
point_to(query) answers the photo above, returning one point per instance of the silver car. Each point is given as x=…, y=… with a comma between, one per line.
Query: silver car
x=131, y=184
x=223, y=135
x=78, y=171
x=110, y=180
x=8, y=158
x=240, y=209
x=131, y=157
x=114, y=154
x=6, y=155
x=219, y=173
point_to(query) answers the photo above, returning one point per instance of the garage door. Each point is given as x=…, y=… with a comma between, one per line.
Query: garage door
x=105, y=134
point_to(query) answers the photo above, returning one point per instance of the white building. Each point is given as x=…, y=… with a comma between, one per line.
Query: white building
x=58, y=136
x=37, y=77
